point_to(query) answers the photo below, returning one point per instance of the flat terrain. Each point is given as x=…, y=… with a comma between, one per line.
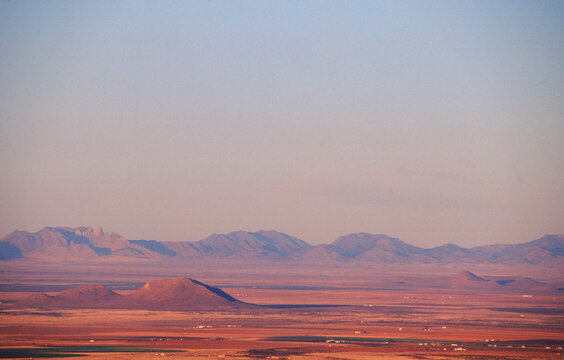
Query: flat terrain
x=366, y=324
x=315, y=312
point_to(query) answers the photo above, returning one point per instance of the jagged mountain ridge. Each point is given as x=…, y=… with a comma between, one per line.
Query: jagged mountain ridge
x=84, y=243
x=73, y=244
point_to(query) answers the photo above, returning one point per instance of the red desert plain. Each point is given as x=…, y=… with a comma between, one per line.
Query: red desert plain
x=288, y=180
x=273, y=304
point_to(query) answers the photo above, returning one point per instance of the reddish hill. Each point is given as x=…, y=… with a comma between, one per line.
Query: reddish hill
x=178, y=294
x=168, y=294
x=92, y=293
x=82, y=296
x=38, y=300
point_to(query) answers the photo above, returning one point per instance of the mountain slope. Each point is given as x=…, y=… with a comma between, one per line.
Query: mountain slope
x=242, y=245
x=319, y=254
x=85, y=244
x=369, y=247
x=451, y=253
x=547, y=250
x=9, y=251
x=64, y=243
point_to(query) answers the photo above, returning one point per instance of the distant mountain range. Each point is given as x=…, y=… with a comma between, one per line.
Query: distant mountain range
x=88, y=244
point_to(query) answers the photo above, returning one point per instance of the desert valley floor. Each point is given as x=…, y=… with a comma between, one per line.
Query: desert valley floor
x=305, y=318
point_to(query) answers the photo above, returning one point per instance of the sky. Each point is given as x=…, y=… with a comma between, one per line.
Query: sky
x=429, y=121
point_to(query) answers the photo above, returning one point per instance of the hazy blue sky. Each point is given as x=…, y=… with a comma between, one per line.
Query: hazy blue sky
x=431, y=121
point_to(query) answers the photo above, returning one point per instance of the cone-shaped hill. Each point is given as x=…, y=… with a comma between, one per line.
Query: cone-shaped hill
x=167, y=294
x=178, y=294
x=466, y=279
